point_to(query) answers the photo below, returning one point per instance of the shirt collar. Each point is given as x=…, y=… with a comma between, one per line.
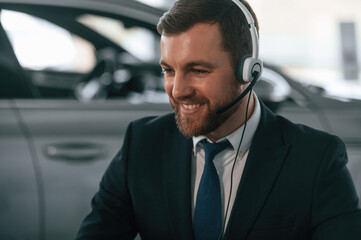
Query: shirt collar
x=235, y=137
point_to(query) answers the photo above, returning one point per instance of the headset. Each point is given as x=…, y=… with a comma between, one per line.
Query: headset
x=249, y=70
x=249, y=67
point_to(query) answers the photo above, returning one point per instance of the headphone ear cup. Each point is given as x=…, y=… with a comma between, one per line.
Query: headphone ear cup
x=241, y=69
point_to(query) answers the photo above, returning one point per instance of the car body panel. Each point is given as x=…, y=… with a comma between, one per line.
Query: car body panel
x=74, y=174
x=19, y=183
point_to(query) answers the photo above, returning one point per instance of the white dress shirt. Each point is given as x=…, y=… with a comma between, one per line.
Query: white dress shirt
x=224, y=161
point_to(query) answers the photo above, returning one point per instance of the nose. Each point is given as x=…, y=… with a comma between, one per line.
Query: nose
x=182, y=87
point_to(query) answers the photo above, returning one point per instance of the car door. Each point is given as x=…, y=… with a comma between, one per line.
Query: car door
x=74, y=144
x=21, y=192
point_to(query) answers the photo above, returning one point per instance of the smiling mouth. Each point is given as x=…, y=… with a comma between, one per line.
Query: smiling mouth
x=190, y=109
x=191, y=106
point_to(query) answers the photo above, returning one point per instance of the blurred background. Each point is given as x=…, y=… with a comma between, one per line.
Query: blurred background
x=74, y=73
x=317, y=43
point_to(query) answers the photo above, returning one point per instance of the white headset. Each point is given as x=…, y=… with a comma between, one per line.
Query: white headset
x=249, y=67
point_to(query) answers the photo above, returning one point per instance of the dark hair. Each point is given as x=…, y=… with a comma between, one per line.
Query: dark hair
x=233, y=25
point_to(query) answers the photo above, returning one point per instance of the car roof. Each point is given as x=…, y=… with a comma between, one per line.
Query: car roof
x=65, y=12
x=126, y=8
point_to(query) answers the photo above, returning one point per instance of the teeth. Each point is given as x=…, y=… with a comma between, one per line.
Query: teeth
x=191, y=106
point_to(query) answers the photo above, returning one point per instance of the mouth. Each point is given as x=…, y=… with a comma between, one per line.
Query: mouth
x=190, y=106
x=189, y=109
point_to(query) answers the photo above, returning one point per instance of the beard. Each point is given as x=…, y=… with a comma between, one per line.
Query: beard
x=191, y=126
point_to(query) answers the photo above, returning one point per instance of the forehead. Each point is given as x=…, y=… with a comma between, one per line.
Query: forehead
x=200, y=41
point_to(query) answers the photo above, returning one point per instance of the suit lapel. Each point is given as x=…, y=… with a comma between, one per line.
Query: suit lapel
x=264, y=162
x=177, y=182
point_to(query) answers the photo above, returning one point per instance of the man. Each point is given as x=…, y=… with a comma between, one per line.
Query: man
x=276, y=180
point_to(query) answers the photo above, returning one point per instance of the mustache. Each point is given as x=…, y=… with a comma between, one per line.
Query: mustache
x=190, y=100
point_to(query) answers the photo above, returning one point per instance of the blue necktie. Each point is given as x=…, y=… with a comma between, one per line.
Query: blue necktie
x=208, y=212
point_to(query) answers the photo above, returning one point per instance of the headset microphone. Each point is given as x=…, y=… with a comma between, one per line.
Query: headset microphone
x=249, y=67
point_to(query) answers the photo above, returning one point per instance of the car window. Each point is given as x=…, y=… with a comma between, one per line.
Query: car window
x=118, y=59
x=40, y=44
x=136, y=40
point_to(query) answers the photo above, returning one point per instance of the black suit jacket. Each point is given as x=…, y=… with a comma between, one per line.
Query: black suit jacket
x=295, y=185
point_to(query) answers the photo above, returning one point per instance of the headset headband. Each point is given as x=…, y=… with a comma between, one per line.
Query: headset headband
x=252, y=28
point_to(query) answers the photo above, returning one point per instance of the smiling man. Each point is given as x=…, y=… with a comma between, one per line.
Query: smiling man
x=222, y=166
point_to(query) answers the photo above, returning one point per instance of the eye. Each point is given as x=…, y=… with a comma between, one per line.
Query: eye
x=199, y=71
x=167, y=71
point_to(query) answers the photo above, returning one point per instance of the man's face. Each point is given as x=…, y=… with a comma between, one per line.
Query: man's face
x=199, y=78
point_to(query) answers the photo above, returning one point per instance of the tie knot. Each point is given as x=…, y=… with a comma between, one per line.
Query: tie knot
x=212, y=149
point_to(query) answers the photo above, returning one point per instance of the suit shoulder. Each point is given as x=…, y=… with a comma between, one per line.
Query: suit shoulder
x=153, y=125
x=154, y=121
x=302, y=133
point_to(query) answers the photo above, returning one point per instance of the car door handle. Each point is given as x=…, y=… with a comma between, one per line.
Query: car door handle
x=83, y=151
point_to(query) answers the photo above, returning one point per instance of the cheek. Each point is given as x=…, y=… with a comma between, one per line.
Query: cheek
x=227, y=87
x=216, y=88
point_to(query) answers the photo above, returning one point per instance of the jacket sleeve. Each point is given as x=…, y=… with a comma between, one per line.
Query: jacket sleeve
x=112, y=214
x=335, y=211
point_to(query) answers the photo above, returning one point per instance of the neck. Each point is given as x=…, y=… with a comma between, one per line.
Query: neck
x=235, y=121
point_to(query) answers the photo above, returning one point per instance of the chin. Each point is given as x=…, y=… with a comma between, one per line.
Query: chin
x=197, y=127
